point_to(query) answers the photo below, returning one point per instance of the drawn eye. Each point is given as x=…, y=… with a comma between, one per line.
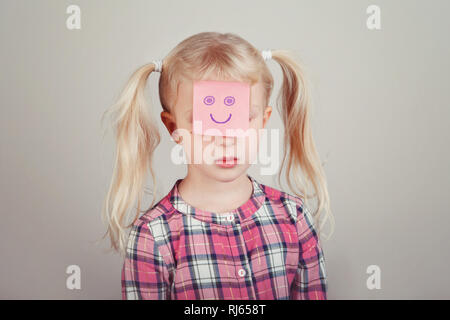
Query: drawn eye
x=209, y=100
x=229, y=101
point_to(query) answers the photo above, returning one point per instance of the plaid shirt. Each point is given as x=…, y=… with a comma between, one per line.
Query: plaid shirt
x=266, y=249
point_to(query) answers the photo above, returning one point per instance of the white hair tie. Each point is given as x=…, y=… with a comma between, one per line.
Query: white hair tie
x=158, y=65
x=267, y=54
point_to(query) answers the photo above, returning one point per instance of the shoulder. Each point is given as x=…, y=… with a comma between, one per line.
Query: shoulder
x=294, y=204
x=298, y=212
x=152, y=233
x=306, y=226
x=157, y=221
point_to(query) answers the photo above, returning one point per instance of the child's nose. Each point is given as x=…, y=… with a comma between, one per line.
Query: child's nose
x=224, y=140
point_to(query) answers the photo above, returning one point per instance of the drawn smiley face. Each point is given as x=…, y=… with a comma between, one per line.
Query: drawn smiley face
x=220, y=105
x=228, y=101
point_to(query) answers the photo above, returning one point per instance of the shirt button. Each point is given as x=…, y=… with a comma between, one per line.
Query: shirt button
x=230, y=218
x=242, y=272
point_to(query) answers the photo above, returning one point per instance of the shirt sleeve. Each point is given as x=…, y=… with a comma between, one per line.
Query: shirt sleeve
x=144, y=274
x=310, y=282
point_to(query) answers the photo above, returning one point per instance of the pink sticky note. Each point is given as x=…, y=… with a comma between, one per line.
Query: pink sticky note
x=222, y=106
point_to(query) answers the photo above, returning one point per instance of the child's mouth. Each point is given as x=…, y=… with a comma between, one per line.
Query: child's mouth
x=227, y=162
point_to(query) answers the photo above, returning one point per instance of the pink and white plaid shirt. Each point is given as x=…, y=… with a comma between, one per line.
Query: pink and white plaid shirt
x=267, y=249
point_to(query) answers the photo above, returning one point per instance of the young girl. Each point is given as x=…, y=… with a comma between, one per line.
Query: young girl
x=219, y=233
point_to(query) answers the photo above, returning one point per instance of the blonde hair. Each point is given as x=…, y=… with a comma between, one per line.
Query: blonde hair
x=226, y=56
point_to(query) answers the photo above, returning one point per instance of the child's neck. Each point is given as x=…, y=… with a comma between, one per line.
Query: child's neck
x=206, y=193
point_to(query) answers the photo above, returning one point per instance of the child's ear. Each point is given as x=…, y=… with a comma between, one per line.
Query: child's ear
x=267, y=113
x=169, y=121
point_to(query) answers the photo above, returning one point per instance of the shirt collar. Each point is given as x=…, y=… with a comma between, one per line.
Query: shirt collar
x=238, y=215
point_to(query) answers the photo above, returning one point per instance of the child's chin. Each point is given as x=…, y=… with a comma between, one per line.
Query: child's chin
x=230, y=173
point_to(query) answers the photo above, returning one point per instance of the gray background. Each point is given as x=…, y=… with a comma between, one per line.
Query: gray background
x=380, y=119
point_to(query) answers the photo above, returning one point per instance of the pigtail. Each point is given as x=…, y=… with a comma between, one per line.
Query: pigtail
x=137, y=137
x=300, y=153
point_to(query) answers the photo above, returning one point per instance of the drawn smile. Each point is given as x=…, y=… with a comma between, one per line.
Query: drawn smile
x=212, y=118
